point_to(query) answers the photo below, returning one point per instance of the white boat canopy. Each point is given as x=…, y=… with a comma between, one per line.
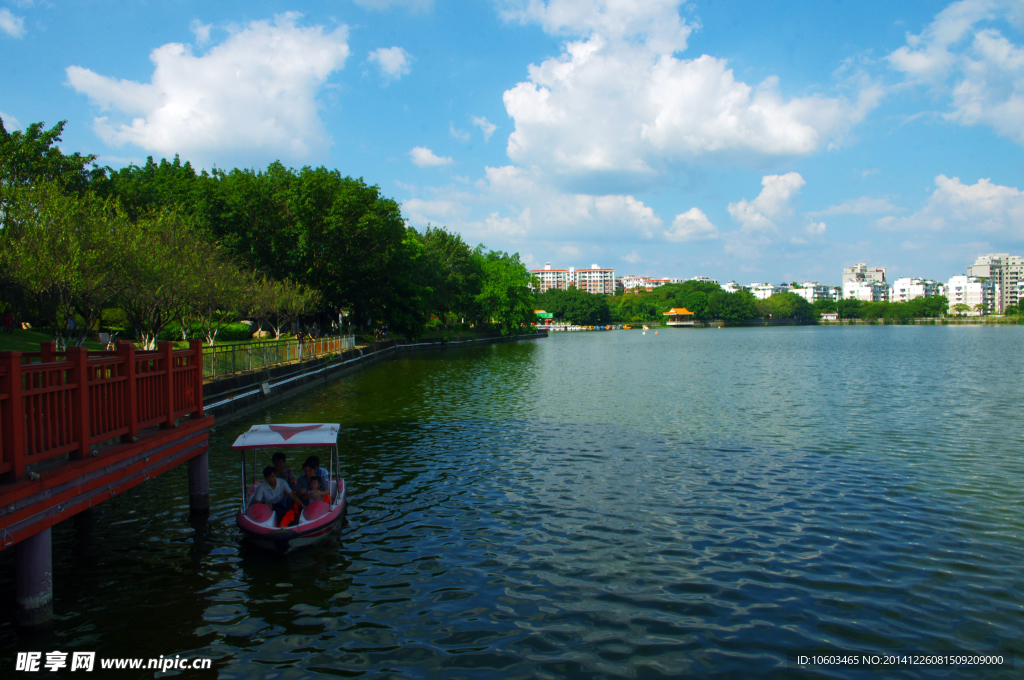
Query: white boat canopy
x=290, y=434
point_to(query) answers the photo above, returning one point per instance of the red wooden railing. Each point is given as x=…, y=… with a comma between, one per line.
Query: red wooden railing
x=65, y=403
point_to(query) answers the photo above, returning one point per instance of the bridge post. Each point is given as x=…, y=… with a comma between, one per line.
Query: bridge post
x=126, y=350
x=167, y=349
x=33, y=581
x=12, y=418
x=78, y=357
x=199, y=484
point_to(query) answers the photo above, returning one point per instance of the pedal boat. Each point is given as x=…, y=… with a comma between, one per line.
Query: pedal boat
x=257, y=521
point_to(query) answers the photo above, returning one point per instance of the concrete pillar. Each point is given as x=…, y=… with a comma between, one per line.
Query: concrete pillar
x=199, y=483
x=33, y=581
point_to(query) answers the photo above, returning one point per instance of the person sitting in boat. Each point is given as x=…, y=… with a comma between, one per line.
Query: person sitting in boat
x=276, y=493
x=310, y=469
x=315, y=492
x=283, y=472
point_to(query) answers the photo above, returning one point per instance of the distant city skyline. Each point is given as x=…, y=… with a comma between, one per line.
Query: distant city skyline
x=742, y=141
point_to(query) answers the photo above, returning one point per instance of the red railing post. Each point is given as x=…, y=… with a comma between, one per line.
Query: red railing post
x=12, y=427
x=167, y=350
x=46, y=351
x=126, y=350
x=78, y=357
x=197, y=385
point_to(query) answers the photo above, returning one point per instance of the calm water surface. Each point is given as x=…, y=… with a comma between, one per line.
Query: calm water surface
x=598, y=505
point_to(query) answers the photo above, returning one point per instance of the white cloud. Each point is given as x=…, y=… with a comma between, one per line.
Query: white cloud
x=775, y=201
x=692, y=225
x=201, y=31
x=11, y=24
x=251, y=97
x=10, y=122
x=485, y=125
x=970, y=208
x=458, y=134
x=394, y=62
x=870, y=171
x=619, y=101
x=858, y=206
x=656, y=22
x=633, y=257
x=981, y=69
x=531, y=209
x=425, y=158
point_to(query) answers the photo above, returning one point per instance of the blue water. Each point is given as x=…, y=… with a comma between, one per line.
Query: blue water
x=600, y=505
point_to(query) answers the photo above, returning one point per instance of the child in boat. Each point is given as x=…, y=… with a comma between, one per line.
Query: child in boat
x=315, y=491
x=276, y=493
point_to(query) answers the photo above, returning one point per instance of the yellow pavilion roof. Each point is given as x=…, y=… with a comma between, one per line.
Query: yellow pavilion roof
x=678, y=311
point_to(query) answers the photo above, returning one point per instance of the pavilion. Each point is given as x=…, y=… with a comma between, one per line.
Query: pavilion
x=679, y=316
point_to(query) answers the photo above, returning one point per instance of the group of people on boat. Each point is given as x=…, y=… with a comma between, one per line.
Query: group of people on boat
x=288, y=496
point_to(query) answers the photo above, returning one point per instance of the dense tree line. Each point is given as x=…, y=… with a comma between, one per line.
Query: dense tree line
x=166, y=245
x=709, y=302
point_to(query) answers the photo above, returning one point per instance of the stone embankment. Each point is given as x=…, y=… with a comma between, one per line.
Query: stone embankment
x=237, y=394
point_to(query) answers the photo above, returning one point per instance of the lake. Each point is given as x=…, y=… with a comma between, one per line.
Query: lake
x=598, y=505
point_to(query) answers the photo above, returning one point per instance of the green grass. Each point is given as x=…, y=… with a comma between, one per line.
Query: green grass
x=28, y=341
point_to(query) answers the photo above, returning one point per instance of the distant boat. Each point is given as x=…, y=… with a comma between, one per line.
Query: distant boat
x=646, y=328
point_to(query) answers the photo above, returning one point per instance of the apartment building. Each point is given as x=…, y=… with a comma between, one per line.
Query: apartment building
x=763, y=291
x=972, y=291
x=866, y=290
x=812, y=291
x=552, y=278
x=1005, y=271
x=907, y=289
x=860, y=273
x=594, y=280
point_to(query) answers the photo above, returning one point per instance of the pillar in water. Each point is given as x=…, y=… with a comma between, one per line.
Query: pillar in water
x=33, y=581
x=199, y=483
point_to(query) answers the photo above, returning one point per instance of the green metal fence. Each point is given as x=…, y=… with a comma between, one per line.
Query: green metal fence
x=222, y=360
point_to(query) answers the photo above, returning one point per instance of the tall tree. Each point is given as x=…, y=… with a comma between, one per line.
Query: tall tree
x=67, y=252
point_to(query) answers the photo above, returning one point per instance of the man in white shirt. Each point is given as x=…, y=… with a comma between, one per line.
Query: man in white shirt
x=276, y=493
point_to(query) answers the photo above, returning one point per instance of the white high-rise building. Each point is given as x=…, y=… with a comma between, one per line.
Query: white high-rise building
x=861, y=273
x=812, y=291
x=763, y=291
x=972, y=291
x=907, y=289
x=1005, y=271
x=868, y=291
x=703, y=279
x=732, y=287
x=552, y=278
x=594, y=280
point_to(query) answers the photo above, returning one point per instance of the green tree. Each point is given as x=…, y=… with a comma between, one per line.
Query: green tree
x=505, y=296
x=66, y=252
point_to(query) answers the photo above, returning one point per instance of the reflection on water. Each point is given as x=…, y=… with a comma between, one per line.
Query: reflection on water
x=598, y=505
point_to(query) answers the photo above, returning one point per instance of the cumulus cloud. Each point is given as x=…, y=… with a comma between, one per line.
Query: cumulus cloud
x=618, y=100
x=201, y=31
x=980, y=69
x=394, y=62
x=425, y=158
x=485, y=125
x=458, y=134
x=633, y=257
x=11, y=24
x=530, y=209
x=692, y=225
x=972, y=208
x=858, y=206
x=774, y=202
x=252, y=96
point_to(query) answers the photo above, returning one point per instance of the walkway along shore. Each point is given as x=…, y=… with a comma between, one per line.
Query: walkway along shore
x=234, y=396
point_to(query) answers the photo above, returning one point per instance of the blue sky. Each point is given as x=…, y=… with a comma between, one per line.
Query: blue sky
x=737, y=140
